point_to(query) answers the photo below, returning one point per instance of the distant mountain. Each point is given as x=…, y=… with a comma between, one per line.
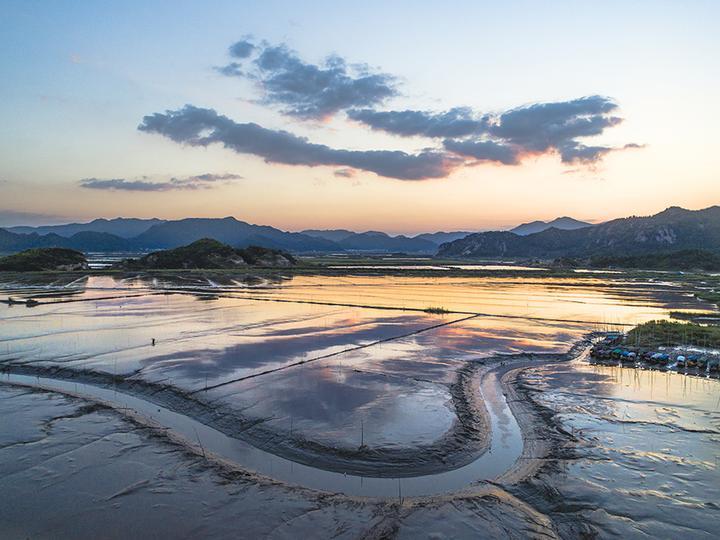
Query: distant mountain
x=150, y=234
x=438, y=238
x=10, y=241
x=93, y=241
x=380, y=242
x=122, y=227
x=374, y=241
x=231, y=231
x=82, y=241
x=171, y=234
x=671, y=230
x=563, y=223
x=334, y=235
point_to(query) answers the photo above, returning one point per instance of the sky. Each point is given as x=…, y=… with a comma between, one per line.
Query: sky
x=405, y=117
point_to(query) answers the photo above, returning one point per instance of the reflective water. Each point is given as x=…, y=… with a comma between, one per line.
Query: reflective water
x=331, y=363
x=505, y=449
x=408, y=267
x=648, y=458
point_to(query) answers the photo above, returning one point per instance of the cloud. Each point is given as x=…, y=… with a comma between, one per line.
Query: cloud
x=507, y=136
x=457, y=122
x=210, y=177
x=200, y=181
x=304, y=90
x=344, y=173
x=577, y=153
x=202, y=127
x=484, y=150
x=233, y=69
x=242, y=49
x=546, y=127
x=461, y=136
x=580, y=154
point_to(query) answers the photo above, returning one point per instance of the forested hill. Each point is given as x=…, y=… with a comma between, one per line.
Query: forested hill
x=671, y=230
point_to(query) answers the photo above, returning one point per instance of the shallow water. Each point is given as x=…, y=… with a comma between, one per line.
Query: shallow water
x=409, y=267
x=338, y=362
x=648, y=458
x=129, y=482
x=505, y=449
x=303, y=351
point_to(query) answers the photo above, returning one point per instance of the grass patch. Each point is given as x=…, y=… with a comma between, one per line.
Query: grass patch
x=673, y=333
x=436, y=310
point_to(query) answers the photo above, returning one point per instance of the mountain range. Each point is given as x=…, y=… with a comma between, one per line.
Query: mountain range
x=671, y=230
x=129, y=234
x=159, y=234
x=379, y=241
x=374, y=241
x=122, y=227
x=123, y=234
x=563, y=223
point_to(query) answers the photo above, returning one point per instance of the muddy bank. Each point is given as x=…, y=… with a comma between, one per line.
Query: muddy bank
x=478, y=385
x=464, y=442
x=512, y=506
x=543, y=438
x=130, y=479
x=631, y=453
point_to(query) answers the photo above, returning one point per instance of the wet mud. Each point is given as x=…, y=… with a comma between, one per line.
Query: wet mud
x=343, y=409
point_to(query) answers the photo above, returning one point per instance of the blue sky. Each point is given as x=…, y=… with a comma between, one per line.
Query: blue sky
x=81, y=76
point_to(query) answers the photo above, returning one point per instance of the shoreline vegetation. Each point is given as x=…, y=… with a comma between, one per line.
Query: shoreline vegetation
x=685, y=260
x=667, y=345
x=674, y=334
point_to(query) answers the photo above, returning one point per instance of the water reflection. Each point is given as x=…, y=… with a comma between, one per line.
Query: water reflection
x=397, y=388
x=649, y=449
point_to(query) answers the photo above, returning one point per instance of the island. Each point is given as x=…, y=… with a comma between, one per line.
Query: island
x=208, y=254
x=44, y=259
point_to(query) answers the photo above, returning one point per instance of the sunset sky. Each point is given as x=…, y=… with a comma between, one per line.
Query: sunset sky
x=398, y=116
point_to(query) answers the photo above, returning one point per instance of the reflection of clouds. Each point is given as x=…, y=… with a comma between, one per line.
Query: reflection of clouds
x=571, y=377
x=330, y=400
x=277, y=346
x=483, y=334
x=570, y=299
x=315, y=396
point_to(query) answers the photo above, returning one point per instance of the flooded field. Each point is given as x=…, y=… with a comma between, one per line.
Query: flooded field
x=390, y=393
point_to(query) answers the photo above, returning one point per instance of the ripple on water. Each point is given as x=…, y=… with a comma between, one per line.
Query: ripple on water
x=648, y=452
